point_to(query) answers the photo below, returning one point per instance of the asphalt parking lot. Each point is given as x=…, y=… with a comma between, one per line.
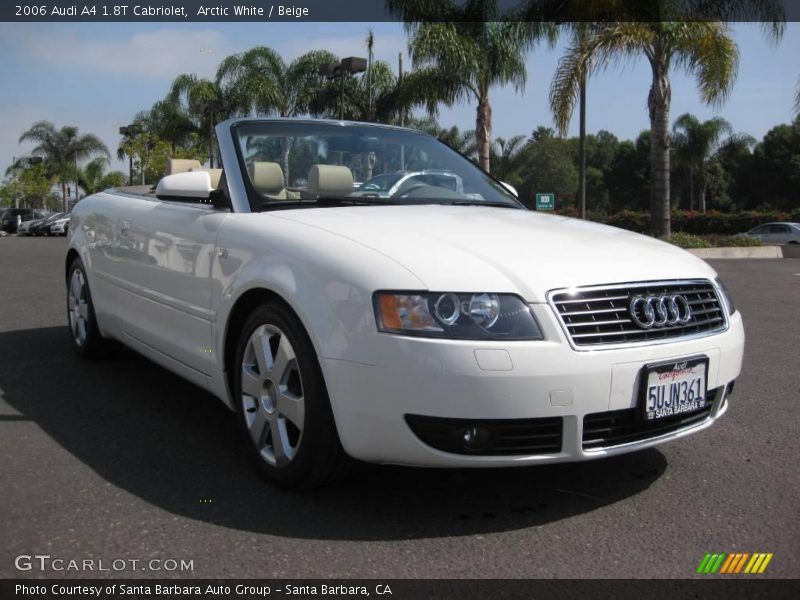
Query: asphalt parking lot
x=121, y=459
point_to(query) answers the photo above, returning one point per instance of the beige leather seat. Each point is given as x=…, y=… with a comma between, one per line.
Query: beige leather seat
x=330, y=180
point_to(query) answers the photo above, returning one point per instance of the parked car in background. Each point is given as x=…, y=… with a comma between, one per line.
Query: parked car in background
x=12, y=218
x=60, y=226
x=42, y=227
x=24, y=228
x=776, y=233
x=444, y=325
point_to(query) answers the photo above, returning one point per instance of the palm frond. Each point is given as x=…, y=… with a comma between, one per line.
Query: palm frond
x=707, y=50
x=254, y=81
x=565, y=87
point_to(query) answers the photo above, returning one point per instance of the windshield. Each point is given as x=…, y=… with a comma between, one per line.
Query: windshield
x=295, y=164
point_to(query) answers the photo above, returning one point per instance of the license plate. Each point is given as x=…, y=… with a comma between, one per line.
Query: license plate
x=674, y=388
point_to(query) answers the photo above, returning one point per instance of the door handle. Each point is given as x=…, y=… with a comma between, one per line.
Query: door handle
x=124, y=228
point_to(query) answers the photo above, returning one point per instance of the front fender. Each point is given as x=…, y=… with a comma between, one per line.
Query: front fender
x=326, y=279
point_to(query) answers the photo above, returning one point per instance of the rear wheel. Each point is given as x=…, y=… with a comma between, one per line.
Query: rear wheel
x=283, y=409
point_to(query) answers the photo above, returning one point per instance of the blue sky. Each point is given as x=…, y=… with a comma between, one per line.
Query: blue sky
x=97, y=76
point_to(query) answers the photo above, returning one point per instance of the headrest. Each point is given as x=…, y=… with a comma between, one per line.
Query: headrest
x=181, y=165
x=267, y=177
x=330, y=179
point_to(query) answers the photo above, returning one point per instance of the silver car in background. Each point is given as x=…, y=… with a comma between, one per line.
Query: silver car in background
x=776, y=233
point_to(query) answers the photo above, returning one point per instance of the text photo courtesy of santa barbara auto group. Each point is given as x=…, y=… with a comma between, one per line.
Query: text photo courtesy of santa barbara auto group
x=400, y=299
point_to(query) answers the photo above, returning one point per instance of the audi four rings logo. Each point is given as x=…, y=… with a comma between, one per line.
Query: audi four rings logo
x=660, y=311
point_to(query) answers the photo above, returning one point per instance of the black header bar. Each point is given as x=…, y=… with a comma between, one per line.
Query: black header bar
x=263, y=11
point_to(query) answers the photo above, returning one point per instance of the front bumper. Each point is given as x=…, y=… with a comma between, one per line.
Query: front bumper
x=507, y=380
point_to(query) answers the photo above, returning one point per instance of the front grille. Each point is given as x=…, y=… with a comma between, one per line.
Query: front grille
x=506, y=437
x=614, y=428
x=599, y=315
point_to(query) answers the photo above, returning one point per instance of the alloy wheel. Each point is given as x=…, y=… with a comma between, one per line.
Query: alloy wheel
x=272, y=395
x=77, y=307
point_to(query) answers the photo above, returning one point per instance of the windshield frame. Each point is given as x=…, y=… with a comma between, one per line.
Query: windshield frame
x=256, y=201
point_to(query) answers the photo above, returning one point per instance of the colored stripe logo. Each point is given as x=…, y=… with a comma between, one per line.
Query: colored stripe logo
x=734, y=563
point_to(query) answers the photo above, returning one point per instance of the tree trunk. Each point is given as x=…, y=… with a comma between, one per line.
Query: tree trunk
x=369, y=164
x=285, y=149
x=64, y=196
x=483, y=130
x=582, y=150
x=703, y=186
x=658, y=104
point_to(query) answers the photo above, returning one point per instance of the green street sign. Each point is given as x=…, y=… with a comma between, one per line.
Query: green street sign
x=545, y=201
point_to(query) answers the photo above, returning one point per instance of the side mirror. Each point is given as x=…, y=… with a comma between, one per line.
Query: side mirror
x=191, y=185
x=511, y=189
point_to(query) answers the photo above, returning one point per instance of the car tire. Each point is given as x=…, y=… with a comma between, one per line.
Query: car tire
x=84, y=332
x=282, y=404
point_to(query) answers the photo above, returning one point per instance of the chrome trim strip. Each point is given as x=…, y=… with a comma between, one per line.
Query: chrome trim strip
x=631, y=286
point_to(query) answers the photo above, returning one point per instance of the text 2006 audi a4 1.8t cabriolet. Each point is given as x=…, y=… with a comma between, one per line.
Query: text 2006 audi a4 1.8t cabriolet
x=441, y=324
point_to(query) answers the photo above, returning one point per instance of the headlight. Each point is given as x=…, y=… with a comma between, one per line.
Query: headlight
x=726, y=296
x=479, y=316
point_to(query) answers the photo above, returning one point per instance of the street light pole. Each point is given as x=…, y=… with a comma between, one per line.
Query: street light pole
x=351, y=66
x=14, y=175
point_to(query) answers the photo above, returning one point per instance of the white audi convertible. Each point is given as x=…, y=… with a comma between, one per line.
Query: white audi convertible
x=427, y=318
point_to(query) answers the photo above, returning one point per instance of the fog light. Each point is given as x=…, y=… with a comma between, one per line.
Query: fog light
x=475, y=437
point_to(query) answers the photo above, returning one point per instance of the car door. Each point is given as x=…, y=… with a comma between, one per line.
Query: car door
x=781, y=234
x=163, y=252
x=761, y=233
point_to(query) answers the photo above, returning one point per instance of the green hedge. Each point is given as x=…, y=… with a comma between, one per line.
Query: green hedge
x=692, y=222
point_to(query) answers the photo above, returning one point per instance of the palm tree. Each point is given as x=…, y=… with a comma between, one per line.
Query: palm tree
x=569, y=85
x=458, y=61
x=93, y=177
x=259, y=81
x=695, y=143
x=62, y=149
x=506, y=156
x=202, y=100
x=171, y=122
x=705, y=49
x=378, y=96
x=370, y=44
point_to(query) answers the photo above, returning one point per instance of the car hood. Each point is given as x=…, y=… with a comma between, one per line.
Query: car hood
x=469, y=248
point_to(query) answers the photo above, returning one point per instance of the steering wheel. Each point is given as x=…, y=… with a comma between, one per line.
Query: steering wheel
x=404, y=192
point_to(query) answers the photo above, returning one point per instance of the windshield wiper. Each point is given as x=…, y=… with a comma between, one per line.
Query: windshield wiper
x=324, y=201
x=338, y=200
x=482, y=203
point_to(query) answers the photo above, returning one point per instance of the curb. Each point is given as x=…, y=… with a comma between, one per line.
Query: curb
x=746, y=252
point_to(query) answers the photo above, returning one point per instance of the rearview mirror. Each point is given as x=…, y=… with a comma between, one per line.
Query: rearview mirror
x=191, y=184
